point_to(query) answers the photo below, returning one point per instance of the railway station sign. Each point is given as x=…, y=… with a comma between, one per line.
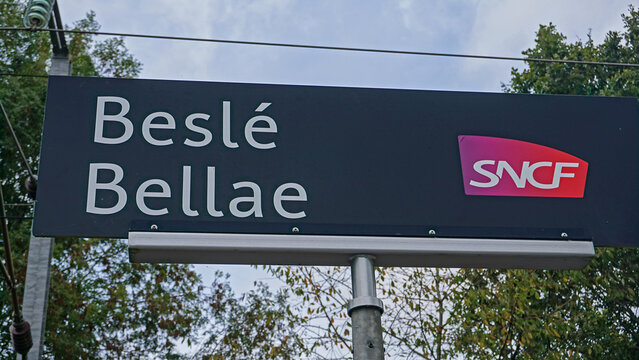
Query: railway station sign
x=123, y=155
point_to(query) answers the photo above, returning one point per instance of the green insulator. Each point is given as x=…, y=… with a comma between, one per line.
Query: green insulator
x=38, y=13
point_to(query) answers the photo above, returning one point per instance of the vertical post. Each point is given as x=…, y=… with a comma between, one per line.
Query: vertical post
x=36, y=291
x=36, y=287
x=365, y=311
x=60, y=65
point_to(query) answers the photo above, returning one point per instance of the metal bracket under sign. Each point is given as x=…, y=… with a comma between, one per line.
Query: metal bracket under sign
x=297, y=249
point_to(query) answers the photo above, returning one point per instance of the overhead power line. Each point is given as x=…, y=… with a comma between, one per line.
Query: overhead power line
x=325, y=47
x=7, y=271
x=17, y=143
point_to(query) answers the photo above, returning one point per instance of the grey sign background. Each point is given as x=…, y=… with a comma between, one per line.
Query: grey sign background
x=374, y=162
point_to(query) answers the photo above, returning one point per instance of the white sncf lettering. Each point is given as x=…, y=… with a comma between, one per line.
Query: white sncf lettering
x=527, y=174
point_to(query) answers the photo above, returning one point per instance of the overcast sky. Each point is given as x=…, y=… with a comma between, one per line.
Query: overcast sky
x=485, y=27
x=488, y=27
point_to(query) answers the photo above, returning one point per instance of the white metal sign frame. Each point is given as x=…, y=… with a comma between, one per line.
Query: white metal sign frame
x=298, y=249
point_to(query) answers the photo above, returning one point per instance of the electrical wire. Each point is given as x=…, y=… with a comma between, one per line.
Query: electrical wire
x=17, y=143
x=8, y=270
x=324, y=47
x=7, y=277
x=20, y=330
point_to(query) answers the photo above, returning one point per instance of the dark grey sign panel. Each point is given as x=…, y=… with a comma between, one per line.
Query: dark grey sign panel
x=124, y=155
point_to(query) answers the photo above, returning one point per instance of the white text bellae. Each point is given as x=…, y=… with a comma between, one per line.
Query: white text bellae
x=252, y=205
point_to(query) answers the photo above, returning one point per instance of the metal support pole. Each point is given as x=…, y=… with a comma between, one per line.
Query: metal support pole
x=36, y=291
x=36, y=288
x=60, y=65
x=365, y=311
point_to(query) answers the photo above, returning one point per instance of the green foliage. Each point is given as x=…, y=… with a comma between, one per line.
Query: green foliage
x=20, y=53
x=525, y=314
x=108, y=58
x=588, y=314
x=257, y=325
x=417, y=306
x=503, y=314
x=102, y=306
x=556, y=78
x=323, y=293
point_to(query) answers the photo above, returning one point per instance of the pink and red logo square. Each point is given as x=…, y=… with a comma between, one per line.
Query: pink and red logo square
x=494, y=166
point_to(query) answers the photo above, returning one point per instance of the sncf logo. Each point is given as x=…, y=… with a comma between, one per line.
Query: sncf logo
x=503, y=167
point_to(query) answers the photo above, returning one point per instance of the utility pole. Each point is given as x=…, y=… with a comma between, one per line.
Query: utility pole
x=365, y=311
x=36, y=290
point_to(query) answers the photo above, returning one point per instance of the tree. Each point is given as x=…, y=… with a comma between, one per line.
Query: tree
x=417, y=307
x=587, y=314
x=100, y=304
x=503, y=314
x=257, y=325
